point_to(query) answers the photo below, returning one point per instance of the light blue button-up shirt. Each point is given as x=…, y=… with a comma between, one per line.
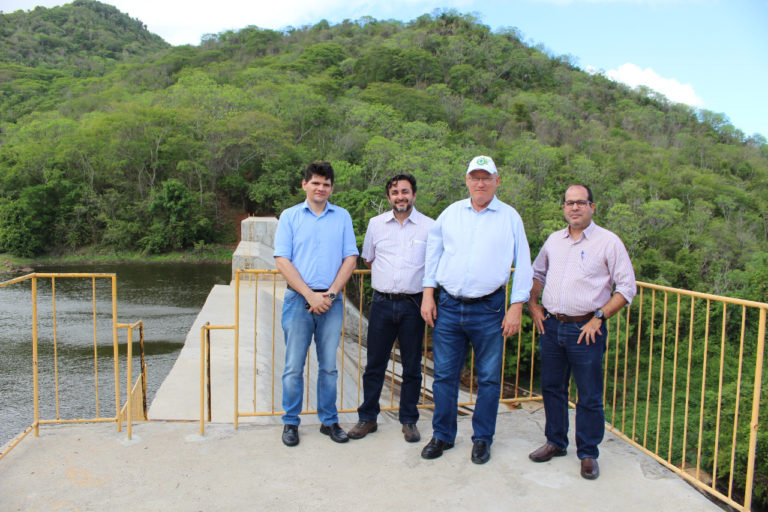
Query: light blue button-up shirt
x=471, y=253
x=315, y=244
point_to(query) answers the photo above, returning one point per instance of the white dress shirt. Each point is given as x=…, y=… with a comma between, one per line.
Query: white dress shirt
x=397, y=251
x=471, y=253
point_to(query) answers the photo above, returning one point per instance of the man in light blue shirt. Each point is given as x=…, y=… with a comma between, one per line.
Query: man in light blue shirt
x=471, y=249
x=315, y=251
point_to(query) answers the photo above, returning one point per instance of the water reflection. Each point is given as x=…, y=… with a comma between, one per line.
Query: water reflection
x=167, y=297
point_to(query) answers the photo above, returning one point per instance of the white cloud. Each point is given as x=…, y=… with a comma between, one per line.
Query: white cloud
x=633, y=76
x=199, y=17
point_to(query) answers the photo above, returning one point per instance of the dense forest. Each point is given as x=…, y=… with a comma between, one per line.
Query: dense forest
x=111, y=139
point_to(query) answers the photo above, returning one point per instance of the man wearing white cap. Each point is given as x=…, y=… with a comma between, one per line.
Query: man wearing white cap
x=470, y=250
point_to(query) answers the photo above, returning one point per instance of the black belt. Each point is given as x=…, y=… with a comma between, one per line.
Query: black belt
x=314, y=290
x=473, y=300
x=399, y=296
x=570, y=319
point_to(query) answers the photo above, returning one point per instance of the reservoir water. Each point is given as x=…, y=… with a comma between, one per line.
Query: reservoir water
x=166, y=296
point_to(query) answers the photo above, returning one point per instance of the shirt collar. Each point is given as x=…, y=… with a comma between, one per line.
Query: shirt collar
x=493, y=205
x=413, y=217
x=328, y=207
x=587, y=233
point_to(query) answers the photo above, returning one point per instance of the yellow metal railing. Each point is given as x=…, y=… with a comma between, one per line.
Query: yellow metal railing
x=513, y=394
x=683, y=383
x=663, y=393
x=135, y=393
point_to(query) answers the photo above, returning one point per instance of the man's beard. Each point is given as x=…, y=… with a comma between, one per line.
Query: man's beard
x=403, y=209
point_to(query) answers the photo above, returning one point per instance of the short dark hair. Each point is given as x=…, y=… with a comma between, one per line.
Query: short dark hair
x=589, y=191
x=323, y=169
x=400, y=177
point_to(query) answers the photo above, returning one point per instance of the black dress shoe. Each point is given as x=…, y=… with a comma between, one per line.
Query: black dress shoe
x=589, y=468
x=411, y=433
x=335, y=431
x=435, y=448
x=481, y=452
x=290, y=435
x=546, y=452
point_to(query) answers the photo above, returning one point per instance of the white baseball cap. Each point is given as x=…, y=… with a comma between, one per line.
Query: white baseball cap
x=484, y=163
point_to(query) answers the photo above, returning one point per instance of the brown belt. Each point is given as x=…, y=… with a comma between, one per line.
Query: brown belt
x=566, y=318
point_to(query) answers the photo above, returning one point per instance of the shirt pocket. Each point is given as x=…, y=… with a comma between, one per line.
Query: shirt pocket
x=592, y=265
x=416, y=252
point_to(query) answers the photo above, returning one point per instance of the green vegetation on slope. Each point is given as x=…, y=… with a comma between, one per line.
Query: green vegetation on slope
x=111, y=139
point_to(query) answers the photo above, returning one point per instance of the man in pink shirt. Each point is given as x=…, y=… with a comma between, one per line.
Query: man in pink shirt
x=577, y=269
x=394, y=248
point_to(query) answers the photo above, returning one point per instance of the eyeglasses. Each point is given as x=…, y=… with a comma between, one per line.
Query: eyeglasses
x=581, y=203
x=481, y=180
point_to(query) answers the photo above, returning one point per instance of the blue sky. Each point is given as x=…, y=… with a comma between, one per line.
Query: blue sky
x=711, y=54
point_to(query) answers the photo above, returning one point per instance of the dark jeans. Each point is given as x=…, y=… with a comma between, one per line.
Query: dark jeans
x=390, y=319
x=457, y=325
x=561, y=356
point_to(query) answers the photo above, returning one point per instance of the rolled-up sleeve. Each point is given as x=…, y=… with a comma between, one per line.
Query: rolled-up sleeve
x=621, y=270
x=284, y=237
x=522, y=279
x=350, y=244
x=369, y=252
x=433, y=254
x=541, y=265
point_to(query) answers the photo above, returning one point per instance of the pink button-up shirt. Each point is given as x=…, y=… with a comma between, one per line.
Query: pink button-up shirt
x=397, y=251
x=579, y=275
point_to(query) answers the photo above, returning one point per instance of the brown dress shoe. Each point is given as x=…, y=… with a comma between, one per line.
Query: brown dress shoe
x=362, y=429
x=589, y=468
x=411, y=433
x=546, y=452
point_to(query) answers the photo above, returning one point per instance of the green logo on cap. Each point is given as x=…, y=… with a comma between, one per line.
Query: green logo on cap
x=482, y=161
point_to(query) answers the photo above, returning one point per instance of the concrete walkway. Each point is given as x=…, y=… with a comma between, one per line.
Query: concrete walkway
x=169, y=467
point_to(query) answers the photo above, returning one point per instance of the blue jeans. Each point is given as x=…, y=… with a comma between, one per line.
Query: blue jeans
x=561, y=356
x=457, y=325
x=390, y=319
x=299, y=325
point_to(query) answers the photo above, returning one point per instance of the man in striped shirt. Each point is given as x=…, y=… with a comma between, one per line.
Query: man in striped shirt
x=577, y=268
x=394, y=248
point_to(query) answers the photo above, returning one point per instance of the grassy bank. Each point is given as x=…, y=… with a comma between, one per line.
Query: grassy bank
x=205, y=254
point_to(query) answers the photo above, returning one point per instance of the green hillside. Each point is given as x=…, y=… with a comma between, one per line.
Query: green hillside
x=111, y=139
x=79, y=37
x=116, y=140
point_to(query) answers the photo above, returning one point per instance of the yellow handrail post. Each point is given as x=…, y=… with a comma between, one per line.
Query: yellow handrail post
x=755, y=411
x=202, y=378
x=116, y=355
x=237, y=346
x=143, y=372
x=128, y=372
x=35, y=389
x=95, y=348
x=208, y=371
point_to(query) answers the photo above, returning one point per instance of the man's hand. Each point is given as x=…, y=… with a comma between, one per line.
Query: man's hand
x=428, y=307
x=511, y=323
x=589, y=329
x=319, y=302
x=537, y=315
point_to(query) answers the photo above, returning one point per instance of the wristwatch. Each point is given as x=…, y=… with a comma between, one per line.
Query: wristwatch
x=332, y=296
x=599, y=314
